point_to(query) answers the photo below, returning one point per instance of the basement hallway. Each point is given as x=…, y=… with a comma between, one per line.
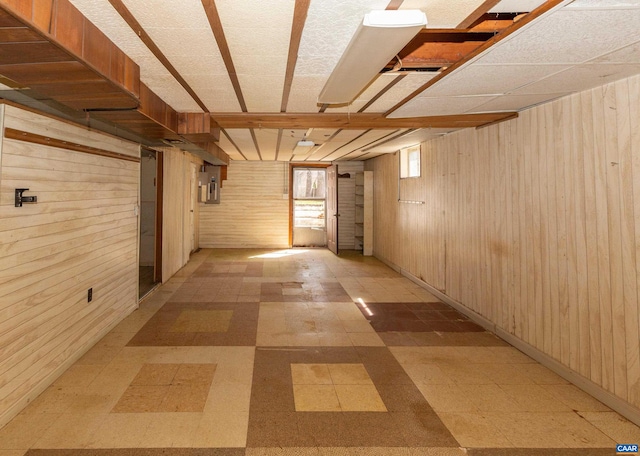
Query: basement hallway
x=300, y=352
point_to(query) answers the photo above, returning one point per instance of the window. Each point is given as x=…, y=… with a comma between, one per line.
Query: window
x=410, y=162
x=309, y=192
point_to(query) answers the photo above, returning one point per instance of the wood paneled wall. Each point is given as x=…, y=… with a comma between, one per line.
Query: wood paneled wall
x=178, y=190
x=253, y=209
x=534, y=224
x=81, y=234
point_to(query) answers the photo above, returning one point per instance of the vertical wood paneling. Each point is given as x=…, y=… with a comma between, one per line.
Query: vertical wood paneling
x=81, y=234
x=176, y=207
x=253, y=209
x=540, y=228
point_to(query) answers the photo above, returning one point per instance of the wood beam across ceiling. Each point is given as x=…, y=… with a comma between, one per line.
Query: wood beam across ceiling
x=357, y=121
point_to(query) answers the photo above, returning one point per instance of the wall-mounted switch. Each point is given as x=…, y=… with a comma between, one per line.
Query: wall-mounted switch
x=90, y=295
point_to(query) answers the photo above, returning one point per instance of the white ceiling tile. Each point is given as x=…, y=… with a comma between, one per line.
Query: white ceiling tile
x=442, y=106
x=443, y=13
x=358, y=143
x=604, y=4
x=579, y=78
x=410, y=83
x=516, y=102
x=243, y=139
x=268, y=142
x=568, y=36
x=489, y=79
x=516, y=6
x=409, y=139
x=329, y=27
x=629, y=54
x=262, y=93
x=304, y=93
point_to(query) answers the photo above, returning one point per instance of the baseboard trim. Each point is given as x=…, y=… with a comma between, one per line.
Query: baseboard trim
x=615, y=403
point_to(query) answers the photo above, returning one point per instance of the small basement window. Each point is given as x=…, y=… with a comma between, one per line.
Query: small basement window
x=410, y=162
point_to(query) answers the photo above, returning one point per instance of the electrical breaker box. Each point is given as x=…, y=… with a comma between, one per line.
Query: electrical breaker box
x=209, y=185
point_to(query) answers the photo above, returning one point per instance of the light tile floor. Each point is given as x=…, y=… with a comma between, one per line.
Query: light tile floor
x=300, y=352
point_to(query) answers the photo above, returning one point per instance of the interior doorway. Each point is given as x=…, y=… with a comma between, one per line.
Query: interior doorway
x=150, y=221
x=309, y=206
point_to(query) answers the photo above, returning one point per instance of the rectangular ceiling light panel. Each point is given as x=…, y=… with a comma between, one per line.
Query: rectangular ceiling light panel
x=377, y=40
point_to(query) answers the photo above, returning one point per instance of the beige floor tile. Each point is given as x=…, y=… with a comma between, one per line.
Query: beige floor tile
x=24, y=430
x=120, y=430
x=579, y=433
x=70, y=431
x=357, y=326
x=613, y=425
x=315, y=398
x=528, y=430
x=464, y=373
x=233, y=397
x=447, y=398
x=79, y=375
x=504, y=374
x=310, y=374
x=224, y=430
x=575, y=398
x=304, y=340
x=167, y=430
x=334, y=340
x=273, y=339
x=534, y=398
x=141, y=399
x=87, y=403
x=12, y=452
x=194, y=374
x=349, y=374
x=272, y=325
x=366, y=339
x=492, y=398
x=541, y=375
x=430, y=374
x=229, y=372
x=474, y=430
x=54, y=399
x=429, y=355
x=359, y=398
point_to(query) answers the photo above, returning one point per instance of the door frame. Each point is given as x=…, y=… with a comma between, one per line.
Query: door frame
x=291, y=167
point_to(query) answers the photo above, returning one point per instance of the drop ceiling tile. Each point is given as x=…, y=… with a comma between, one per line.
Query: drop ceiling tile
x=443, y=106
x=243, y=139
x=580, y=78
x=516, y=102
x=443, y=13
x=516, y=6
x=268, y=141
x=411, y=138
x=489, y=79
x=629, y=54
x=304, y=93
x=358, y=143
x=329, y=27
x=262, y=93
x=605, y=4
x=405, y=87
x=568, y=36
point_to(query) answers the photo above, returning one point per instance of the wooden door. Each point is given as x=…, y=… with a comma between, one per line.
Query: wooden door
x=332, y=208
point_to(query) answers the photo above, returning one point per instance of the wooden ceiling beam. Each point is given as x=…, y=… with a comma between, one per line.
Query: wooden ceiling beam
x=353, y=121
x=299, y=18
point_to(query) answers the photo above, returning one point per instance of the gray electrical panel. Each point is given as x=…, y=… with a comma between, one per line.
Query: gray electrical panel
x=209, y=185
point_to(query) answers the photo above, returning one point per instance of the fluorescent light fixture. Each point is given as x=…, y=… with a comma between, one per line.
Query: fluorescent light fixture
x=303, y=147
x=380, y=37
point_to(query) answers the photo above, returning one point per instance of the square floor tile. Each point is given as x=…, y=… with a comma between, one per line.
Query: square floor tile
x=206, y=321
x=310, y=374
x=316, y=398
x=274, y=419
